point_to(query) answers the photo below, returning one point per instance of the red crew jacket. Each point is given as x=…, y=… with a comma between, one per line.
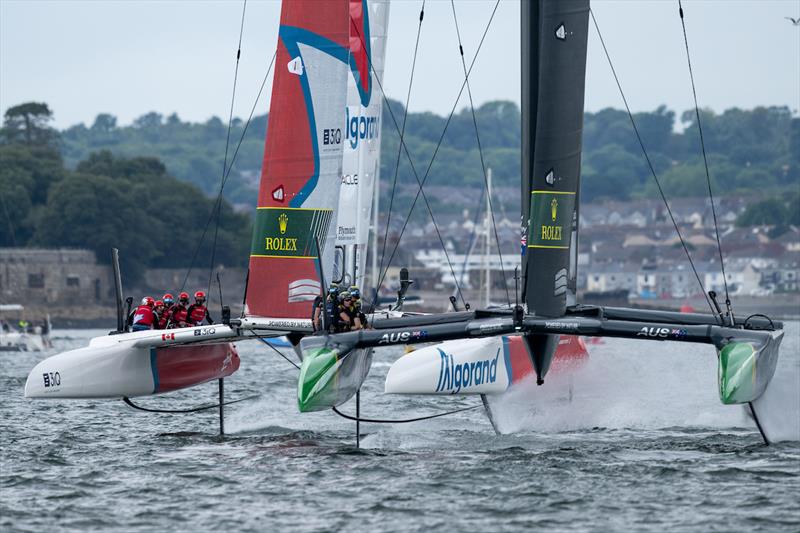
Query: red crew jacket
x=144, y=316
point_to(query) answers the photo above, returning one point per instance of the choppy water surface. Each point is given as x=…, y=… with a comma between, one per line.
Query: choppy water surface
x=644, y=445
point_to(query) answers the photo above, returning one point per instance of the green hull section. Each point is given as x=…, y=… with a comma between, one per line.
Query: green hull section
x=746, y=365
x=737, y=372
x=330, y=374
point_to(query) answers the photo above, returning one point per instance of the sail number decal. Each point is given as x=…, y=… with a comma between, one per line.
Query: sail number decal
x=551, y=219
x=284, y=232
x=51, y=379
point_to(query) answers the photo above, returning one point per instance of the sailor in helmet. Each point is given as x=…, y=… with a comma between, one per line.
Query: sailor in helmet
x=345, y=312
x=360, y=321
x=144, y=316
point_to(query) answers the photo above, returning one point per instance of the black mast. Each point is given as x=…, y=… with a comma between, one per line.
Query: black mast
x=554, y=41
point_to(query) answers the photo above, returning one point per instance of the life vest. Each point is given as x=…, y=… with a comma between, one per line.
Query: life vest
x=197, y=313
x=332, y=310
x=144, y=316
x=343, y=325
x=178, y=314
x=163, y=318
x=317, y=304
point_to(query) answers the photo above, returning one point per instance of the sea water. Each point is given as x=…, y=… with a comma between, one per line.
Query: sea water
x=634, y=440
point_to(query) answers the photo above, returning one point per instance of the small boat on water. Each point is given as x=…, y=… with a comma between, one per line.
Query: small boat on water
x=19, y=335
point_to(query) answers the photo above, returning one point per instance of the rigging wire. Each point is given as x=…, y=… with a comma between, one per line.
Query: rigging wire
x=265, y=341
x=705, y=161
x=402, y=420
x=230, y=167
x=227, y=145
x=416, y=176
x=650, y=164
x=480, y=152
x=435, y=152
x=400, y=145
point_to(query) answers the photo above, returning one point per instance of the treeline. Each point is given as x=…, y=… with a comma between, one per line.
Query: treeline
x=106, y=200
x=748, y=151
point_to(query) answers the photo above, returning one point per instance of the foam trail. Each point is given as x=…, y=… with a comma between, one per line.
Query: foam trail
x=625, y=384
x=778, y=409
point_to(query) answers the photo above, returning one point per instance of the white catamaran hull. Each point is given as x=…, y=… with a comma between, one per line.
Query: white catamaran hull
x=136, y=364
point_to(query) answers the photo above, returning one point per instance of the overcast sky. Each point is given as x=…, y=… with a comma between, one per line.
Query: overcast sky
x=127, y=58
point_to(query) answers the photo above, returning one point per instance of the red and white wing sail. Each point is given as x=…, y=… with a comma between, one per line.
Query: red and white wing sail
x=302, y=167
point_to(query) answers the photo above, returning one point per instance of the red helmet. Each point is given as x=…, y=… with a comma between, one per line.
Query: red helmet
x=168, y=299
x=183, y=296
x=147, y=300
x=200, y=295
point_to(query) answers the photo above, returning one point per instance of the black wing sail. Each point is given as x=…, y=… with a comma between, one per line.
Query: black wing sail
x=553, y=83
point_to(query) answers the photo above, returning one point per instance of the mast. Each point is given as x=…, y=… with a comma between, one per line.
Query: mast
x=487, y=224
x=554, y=41
x=361, y=135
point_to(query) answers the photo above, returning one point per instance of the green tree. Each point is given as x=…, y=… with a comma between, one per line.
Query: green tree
x=29, y=124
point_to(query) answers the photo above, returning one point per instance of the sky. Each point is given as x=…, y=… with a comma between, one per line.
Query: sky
x=131, y=57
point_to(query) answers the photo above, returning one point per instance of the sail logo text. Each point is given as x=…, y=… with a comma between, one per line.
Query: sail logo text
x=452, y=377
x=551, y=233
x=359, y=128
x=280, y=244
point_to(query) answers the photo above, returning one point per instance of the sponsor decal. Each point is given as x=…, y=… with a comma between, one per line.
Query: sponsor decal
x=227, y=361
x=285, y=232
x=360, y=128
x=560, y=283
x=167, y=336
x=281, y=323
x=301, y=290
x=550, y=210
x=653, y=332
x=204, y=332
x=561, y=325
x=278, y=194
x=454, y=377
x=51, y=379
x=491, y=326
x=550, y=178
x=331, y=136
x=421, y=334
x=350, y=179
x=279, y=244
x=295, y=66
x=561, y=32
x=346, y=231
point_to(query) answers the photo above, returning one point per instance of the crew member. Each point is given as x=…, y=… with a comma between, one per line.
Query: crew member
x=161, y=313
x=361, y=318
x=169, y=303
x=198, y=311
x=179, y=315
x=144, y=317
x=346, y=313
x=332, y=306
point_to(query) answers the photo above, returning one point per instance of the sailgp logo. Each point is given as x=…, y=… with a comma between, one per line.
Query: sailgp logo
x=359, y=128
x=452, y=377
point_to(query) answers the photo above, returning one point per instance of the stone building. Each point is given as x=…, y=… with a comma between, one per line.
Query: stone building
x=61, y=276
